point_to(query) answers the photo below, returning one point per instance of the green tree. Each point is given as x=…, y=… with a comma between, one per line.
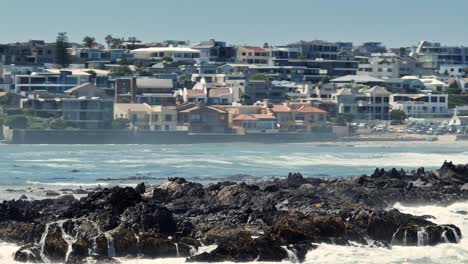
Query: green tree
x=116, y=43
x=398, y=115
x=259, y=77
x=16, y=121
x=92, y=74
x=120, y=124
x=121, y=71
x=89, y=42
x=343, y=119
x=62, y=57
x=454, y=88
x=58, y=124
x=108, y=40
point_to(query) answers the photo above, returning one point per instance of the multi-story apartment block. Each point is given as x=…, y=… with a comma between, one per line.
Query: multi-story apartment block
x=256, y=91
x=215, y=51
x=88, y=113
x=421, y=105
x=176, y=54
x=84, y=113
x=364, y=104
x=144, y=90
x=147, y=117
x=32, y=52
x=253, y=55
x=433, y=55
x=51, y=82
x=316, y=49
x=387, y=65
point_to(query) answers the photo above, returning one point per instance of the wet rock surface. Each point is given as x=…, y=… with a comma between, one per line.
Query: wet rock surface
x=269, y=221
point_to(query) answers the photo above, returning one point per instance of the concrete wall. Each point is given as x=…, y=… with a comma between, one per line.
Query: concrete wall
x=20, y=136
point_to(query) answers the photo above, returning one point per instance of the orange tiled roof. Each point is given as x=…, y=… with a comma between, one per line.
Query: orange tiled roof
x=278, y=108
x=311, y=109
x=245, y=118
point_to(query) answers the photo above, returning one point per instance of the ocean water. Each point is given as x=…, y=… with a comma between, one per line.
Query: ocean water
x=73, y=166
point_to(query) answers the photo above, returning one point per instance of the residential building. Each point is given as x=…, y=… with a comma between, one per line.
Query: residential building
x=147, y=117
x=286, y=52
x=141, y=90
x=83, y=90
x=432, y=55
x=257, y=91
x=83, y=113
x=215, y=51
x=298, y=117
x=463, y=82
x=358, y=80
x=364, y=104
x=368, y=48
x=220, y=96
x=453, y=70
x=201, y=93
x=42, y=107
x=405, y=85
x=154, y=91
x=316, y=49
x=88, y=113
x=176, y=54
x=387, y=65
x=255, y=123
x=203, y=119
x=27, y=53
x=318, y=69
x=431, y=83
x=253, y=55
x=49, y=81
x=421, y=105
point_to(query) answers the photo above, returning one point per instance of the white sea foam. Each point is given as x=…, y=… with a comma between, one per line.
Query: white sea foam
x=441, y=254
x=406, y=160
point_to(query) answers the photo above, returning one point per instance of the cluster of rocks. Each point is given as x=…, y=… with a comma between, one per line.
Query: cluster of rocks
x=269, y=221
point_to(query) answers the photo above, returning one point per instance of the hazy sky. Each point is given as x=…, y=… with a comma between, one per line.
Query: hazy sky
x=395, y=22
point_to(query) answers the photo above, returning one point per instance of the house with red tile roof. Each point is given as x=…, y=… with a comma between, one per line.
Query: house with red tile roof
x=298, y=117
x=255, y=123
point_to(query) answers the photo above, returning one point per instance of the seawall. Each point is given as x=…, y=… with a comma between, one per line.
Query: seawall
x=22, y=136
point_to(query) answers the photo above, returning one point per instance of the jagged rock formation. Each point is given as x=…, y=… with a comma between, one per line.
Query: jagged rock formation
x=270, y=221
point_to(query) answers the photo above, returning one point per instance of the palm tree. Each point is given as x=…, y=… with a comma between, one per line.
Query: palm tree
x=133, y=40
x=116, y=42
x=109, y=39
x=89, y=41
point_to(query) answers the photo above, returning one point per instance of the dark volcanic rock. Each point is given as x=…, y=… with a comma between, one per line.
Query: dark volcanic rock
x=267, y=221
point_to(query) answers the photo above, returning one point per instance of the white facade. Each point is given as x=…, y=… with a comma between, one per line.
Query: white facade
x=452, y=70
x=421, y=105
x=175, y=53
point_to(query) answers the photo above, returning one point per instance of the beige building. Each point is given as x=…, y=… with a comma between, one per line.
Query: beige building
x=253, y=55
x=147, y=117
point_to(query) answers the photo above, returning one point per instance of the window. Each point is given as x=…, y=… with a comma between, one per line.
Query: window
x=155, y=117
x=195, y=118
x=168, y=118
x=434, y=99
x=300, y=117
x=441, y=99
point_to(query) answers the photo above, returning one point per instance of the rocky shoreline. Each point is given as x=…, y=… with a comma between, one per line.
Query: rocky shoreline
x=267, y=221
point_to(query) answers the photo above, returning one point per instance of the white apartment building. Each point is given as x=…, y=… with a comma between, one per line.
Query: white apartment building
x=421, y=105
x=175, y=53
